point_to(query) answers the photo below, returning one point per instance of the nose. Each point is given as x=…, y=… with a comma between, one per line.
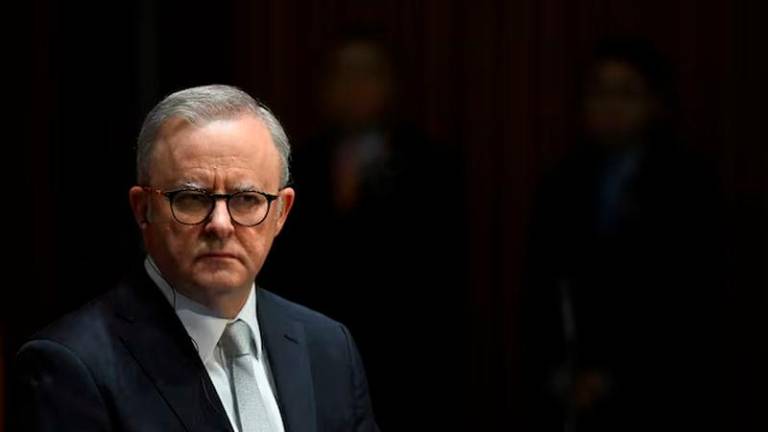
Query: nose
x=219, y=222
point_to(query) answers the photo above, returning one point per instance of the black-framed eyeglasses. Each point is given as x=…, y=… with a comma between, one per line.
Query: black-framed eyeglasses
x=194, y=206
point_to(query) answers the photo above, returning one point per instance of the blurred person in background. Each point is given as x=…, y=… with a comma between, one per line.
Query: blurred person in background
x=621, y=327
x=383, y=225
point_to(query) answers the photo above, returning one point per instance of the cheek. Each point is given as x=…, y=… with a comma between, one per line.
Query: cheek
x=177, y=243
x=614, y=117
x=638, y=114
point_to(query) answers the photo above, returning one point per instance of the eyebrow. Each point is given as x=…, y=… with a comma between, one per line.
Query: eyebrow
x=240, y=187
x=189, y=184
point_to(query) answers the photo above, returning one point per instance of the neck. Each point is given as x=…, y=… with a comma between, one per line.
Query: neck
x=224, y=303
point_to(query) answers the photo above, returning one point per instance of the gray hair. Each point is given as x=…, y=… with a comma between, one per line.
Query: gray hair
x=201, y=105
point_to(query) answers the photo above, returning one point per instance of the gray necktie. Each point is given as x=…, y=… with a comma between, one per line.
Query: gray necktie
x=237, y=344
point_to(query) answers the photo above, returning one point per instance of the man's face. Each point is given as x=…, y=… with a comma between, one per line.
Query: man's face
x=359, y=85
x=619, y=105
x=216, y=257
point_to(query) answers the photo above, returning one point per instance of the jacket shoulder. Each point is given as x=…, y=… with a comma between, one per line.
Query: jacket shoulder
x=307, y=316
x=83, y=331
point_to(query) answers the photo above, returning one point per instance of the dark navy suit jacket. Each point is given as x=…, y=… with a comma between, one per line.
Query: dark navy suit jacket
x=124, y=362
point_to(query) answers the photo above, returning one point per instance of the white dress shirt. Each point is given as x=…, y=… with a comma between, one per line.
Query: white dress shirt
x=205, y=328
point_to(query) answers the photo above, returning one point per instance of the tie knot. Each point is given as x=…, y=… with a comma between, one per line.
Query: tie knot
x=236, y=340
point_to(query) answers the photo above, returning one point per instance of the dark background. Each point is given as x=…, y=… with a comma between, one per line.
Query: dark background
x=491, y=81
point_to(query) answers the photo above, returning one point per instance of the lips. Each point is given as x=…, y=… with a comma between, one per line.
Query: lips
x=218, y=255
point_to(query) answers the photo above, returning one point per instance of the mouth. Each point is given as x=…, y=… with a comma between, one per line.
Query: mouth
x=217, y=256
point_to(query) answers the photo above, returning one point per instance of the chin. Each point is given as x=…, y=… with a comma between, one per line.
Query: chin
x=222, y=281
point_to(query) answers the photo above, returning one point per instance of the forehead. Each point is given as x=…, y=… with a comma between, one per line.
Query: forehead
x=615, y=73
x=232, y=150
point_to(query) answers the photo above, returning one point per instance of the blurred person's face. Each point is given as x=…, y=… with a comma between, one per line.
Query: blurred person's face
x=619, y=106
x=359, y=85
x=216, y=257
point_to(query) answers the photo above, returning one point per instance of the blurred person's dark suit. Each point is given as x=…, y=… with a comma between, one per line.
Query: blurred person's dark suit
x=394, y=258
x=642, y=295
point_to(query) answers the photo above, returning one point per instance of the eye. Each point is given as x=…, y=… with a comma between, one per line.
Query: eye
x=191, y=201
x=247, y=201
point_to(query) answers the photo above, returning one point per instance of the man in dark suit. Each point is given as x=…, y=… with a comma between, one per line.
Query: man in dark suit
x=189, y=342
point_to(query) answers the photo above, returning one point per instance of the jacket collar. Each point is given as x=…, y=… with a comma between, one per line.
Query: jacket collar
x=156, y=338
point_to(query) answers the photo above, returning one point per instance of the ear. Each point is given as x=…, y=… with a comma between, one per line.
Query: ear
x=284, y=205
x=139, y=205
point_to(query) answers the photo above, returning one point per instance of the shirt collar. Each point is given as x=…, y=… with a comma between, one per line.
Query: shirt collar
x=202, y=324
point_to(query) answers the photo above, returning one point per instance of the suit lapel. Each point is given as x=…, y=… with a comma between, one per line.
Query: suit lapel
x=286, y=348
x=158, y=341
